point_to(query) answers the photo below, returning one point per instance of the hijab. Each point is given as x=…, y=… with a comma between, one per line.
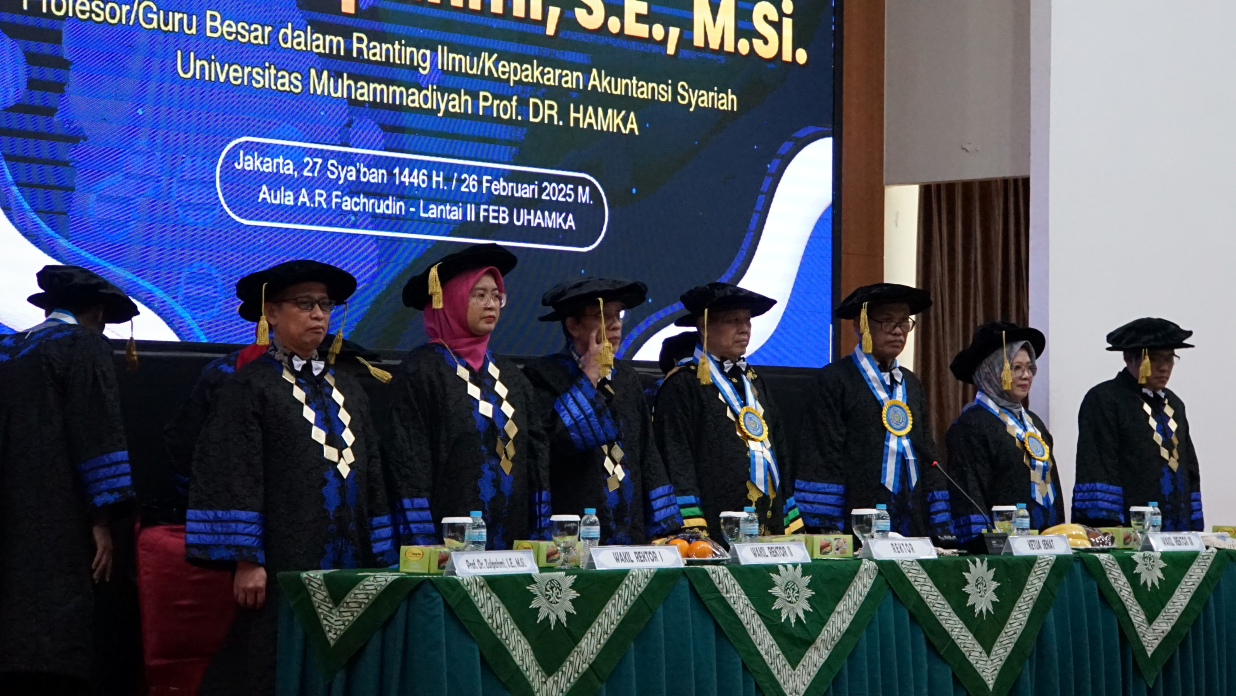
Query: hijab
x=987, y=376
x=449, y=325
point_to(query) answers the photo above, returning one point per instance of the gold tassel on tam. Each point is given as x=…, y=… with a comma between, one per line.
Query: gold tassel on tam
x=1006, y=375
x=606, y=358
x=701, y=370
x=263, y=328
x=1143, y=372
x=865, y=327
x=378, y=373
x=435, y=287
x=337, y=344
x=130, y=351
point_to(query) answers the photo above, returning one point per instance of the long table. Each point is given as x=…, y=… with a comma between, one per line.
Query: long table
x=681, y=650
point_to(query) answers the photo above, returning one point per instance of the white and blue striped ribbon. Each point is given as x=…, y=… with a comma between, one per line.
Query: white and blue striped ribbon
x=1041, y=469
x=896, y=447
x=763, y=464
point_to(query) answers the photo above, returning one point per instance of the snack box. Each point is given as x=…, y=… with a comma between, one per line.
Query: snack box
x=546, y=552
x=821, y=545
x=1125, y=537
x=426, y=560
x=1216, y=529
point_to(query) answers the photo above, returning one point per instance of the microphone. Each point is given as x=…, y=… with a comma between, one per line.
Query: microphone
x=992, y=541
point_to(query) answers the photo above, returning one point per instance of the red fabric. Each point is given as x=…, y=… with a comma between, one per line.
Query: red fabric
x=186, y=612
x=248, y=353
x=449, y=325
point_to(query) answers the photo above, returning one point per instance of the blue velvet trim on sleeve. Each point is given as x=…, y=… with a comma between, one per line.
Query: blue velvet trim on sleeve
x=940, y=513
x=541, y=511
x=1098, y=500
x=415, y=526
x=967, y=527
x=106, y=478
x=663, y=513
x=820, y=505
x=382, y=540
x=225, y=535
x=588, y=427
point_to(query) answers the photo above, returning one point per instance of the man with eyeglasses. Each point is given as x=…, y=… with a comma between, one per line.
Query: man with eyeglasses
x=866, y=436
x=1133, y=441
x=602, y=453
x=717, y=425
x=286, y=474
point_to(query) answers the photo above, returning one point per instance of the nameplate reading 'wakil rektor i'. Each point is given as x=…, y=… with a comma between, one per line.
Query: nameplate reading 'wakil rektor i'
x=629, y=557
x=1052, y=545
x=1172, y=541
x=898, y=549
x=772, y=553
x=467, y=563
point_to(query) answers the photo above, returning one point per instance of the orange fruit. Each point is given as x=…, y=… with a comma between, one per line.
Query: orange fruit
x=701, y=549
x=681, y=545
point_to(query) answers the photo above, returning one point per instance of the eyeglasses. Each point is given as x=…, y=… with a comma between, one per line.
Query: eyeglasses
x=620, y=315
x=1161, y=359
x=306, y=304
x=887, y=327
x=482, y=298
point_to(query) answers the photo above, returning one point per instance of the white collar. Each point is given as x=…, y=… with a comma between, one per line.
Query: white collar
x=1161, y=393
x=58, y=316
x=317, y=365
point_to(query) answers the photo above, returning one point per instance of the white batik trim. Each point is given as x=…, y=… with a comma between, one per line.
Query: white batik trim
x=795, y=680
x=581, y=658
x=337, y=618
x=1152, y=634
x=988, y=665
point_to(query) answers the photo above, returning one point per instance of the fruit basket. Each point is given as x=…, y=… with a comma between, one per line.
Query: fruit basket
x=696, y=548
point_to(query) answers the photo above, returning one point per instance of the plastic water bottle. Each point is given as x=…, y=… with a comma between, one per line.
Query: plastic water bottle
x=1156, y=518
x=749, y=529
x=1021, y=521
x=476, y=536
x=881, y=523
x=589, y=534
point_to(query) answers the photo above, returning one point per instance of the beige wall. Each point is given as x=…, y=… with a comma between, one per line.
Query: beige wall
x=957, y=90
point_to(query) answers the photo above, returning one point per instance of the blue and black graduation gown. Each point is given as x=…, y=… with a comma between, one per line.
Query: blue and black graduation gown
x=455, y=441
x=62, y=458
x=602, y=453
x=1134, y=447
x=288, y=487
x=845, y=457
x=708, y=461
x=994, y=468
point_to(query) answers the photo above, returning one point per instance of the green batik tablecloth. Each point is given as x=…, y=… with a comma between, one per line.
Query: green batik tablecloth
x=691, y=642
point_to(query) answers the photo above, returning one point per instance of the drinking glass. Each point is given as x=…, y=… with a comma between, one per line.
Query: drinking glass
x=862, y=519
x=1139, y=520
x=730, y=522
x=454, y=531
x=1002, y=517
x=565, y=533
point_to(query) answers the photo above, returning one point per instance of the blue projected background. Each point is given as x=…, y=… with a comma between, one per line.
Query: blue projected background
x=176, y=145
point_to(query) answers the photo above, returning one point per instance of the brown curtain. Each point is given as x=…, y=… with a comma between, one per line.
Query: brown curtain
x=974, y=258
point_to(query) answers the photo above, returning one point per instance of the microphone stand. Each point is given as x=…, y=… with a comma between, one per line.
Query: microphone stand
x=992, y=542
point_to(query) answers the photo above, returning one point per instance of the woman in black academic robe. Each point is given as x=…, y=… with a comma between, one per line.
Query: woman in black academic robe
x=462, y=432
x=999, y=451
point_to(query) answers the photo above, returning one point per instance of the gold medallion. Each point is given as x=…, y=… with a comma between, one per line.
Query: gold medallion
x=897, y=417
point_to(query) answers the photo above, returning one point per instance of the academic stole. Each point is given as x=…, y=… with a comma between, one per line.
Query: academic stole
x=763, y=463
x=1165, y=432
x=506, y=453
x=1040, y=470
x=895, y=446
x=342, y=458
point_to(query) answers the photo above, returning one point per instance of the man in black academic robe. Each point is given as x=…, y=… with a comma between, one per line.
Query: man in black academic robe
x=859, y=446
x=64, y=470
x=286, y=474
x=1133, y=440
x=716, y=423
x=602, y=451
x=461, y=437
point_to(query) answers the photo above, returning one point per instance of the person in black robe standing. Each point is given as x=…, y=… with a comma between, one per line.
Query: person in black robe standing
x=866, y=436
x=601, y=450
x=286, y=474
x=64, y=472
x=998, y=450
x=1133, y=440
x=716, y=423
x=462, y=433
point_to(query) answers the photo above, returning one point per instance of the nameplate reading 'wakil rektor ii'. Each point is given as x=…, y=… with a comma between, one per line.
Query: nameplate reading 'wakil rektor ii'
x=898, y=549
x=772, y=553
x=468, y=563
x=629, y=557
x=1051, y=545
x=1172, y=541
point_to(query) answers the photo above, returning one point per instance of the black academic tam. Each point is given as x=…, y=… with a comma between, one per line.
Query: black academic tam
x=882, y=294
x=270, y=282
x=721, y=296
x=1149, y=333
x=67, y=287
x=568, y=298
x=989, y=338
x=416, y=290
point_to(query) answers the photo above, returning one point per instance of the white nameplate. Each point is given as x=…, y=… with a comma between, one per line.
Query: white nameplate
x=772, y=552
x=468, y=563
x=898, y=549
x=1052, y=545
x=628, y=557
x=1173, y=541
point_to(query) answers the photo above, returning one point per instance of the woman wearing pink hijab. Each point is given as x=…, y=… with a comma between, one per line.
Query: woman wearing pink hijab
x=461, y=433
